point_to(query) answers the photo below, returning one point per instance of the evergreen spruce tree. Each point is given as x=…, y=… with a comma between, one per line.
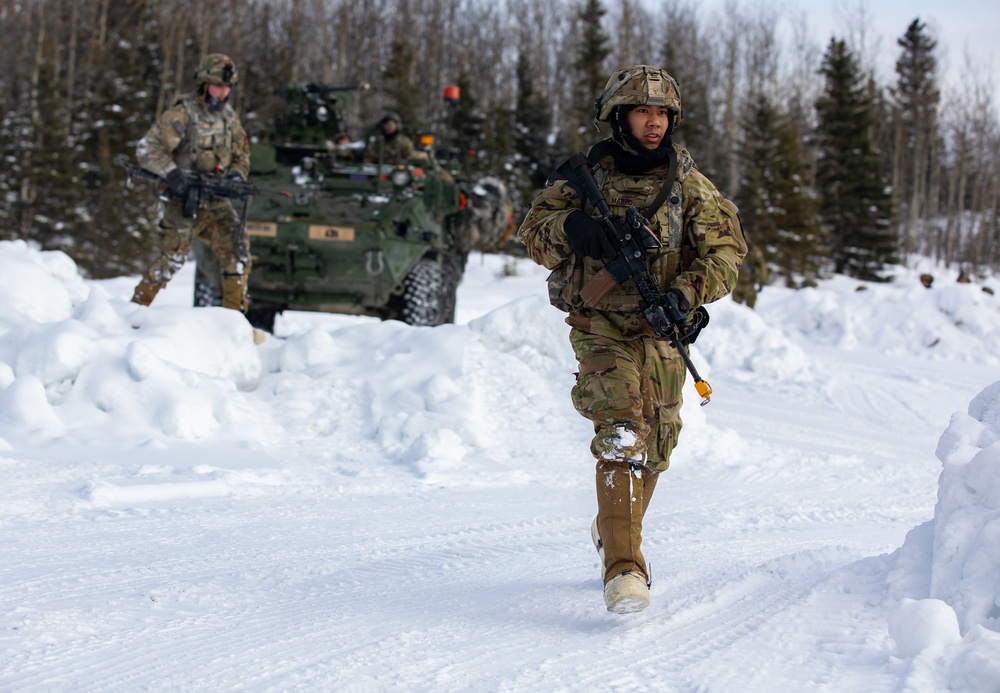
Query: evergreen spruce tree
x=400, y=83
x=115, y=113
x=779, y=213
x=11, y=127
x=532, y=126
x=465, y=123
x=854, y=202
x=916, y=97
x=52, y=206
x=591, y=51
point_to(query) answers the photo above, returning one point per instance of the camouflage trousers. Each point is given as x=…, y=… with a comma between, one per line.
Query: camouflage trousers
x=632, y=392
x=216, y=224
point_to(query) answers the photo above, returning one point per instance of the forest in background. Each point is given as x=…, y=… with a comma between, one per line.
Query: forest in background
x=832, y=170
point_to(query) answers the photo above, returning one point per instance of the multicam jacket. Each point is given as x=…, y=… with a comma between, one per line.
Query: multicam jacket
x=191, y=137
x=703, y=244
x=395, y=150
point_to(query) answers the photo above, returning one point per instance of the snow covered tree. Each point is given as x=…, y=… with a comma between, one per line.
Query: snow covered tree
x=854, y=202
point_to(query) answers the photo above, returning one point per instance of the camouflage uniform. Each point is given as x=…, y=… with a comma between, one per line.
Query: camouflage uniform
x=192, y=135
x=753, y=277
x=393, y=149
x=629, y=382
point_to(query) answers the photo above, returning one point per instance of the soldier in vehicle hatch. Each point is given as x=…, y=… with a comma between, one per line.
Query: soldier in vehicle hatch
x=629, y=381
x=200, y=132
x=389, y=145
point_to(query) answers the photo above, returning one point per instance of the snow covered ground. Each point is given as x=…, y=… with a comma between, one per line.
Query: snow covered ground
x=365, y=506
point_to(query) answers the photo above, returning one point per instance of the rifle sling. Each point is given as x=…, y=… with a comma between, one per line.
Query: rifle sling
x=602, y=282
x=609, y=147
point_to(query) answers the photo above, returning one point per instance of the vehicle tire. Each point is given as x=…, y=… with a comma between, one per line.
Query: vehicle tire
x=422, y=289
x=207, y=277
x=205, y=294
x=262, y=318
x=452, y=267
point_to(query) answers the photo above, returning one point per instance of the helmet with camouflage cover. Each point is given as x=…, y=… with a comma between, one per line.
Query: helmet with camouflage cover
x=391, y=115
x=639, y=85
x=217, y=68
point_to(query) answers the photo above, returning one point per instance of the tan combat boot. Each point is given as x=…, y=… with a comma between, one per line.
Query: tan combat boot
x=145, y=291
x=626, y=593
x=623, y=494
x=234, y=292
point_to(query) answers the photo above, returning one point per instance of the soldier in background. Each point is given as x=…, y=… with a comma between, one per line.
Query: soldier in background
x=389, y=145
x=200, y=132
x=927, y=280
x=629, y=382
x=753, y=277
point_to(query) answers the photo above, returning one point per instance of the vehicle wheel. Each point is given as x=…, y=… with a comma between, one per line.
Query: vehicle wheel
x=262, y=318
x=422, y=290
x=205, y=295
x=452, y=267
x=207, y=277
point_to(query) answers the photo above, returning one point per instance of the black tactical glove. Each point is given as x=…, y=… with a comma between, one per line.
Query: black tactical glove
x=585, y=236
x=676, y=306
x=697, y=323
x=176, y=182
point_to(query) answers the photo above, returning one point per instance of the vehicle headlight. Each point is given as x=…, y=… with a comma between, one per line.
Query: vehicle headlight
x=400, y=177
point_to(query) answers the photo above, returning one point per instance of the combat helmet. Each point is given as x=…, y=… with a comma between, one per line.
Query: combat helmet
x=391, y=115
x=639, y=85
x=217, y=68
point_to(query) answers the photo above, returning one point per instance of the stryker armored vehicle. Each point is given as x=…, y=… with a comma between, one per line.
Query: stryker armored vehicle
x=389, y=241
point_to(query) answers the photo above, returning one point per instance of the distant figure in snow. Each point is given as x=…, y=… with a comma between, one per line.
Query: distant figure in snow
x=927, y=280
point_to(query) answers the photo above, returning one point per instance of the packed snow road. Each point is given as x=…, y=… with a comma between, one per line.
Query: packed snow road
x=393, y=508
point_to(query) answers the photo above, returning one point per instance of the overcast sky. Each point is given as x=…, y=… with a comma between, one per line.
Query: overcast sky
x=961, y=26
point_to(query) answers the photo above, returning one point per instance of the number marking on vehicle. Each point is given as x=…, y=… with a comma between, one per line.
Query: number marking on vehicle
x=331, y=233
x=262, y=228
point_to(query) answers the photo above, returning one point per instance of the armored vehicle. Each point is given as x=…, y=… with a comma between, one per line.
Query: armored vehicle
x=389, y=241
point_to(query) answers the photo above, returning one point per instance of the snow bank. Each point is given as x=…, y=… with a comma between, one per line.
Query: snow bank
x=35, y=285
x=74, y=361
x=947, y=583
x=902, y=318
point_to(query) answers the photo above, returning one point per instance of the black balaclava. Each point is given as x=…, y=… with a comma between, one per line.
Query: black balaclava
x=634, y=157
x=214, y=105
x=389, y=136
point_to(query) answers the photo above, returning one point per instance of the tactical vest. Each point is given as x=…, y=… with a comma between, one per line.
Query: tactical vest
x=622, y=191
x=207, y=140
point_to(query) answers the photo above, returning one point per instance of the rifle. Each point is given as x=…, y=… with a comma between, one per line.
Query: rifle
x=628, y=239
x=199, y=183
